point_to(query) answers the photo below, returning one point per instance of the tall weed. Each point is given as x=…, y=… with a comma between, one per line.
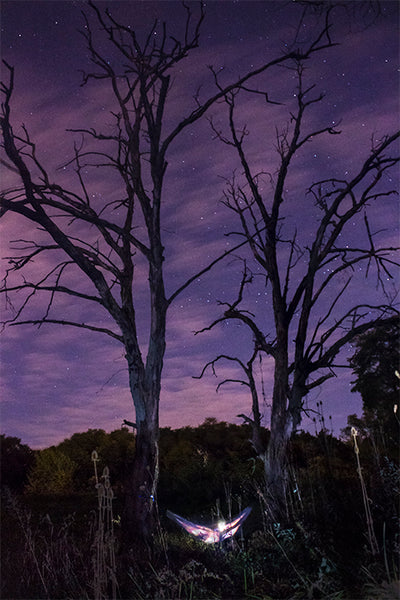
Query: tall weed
x=39, y=558
x=104, y=564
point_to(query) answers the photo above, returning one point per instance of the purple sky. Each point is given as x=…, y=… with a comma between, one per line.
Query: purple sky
x=57, y=380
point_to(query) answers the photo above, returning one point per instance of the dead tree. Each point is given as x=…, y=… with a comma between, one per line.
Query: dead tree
x=102, y=245
x=305, y=337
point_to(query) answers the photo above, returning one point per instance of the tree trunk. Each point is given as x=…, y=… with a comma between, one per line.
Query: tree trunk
x=276, y=459
x=145, y=385
x=141, y=478
x=140, y=490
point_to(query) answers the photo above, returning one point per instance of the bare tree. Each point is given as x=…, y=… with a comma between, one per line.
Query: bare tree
x=308, y=283
x=101, y=243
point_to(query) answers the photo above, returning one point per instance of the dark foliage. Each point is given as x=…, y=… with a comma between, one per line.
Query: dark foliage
x=114, y=450
x=205, y=473
x=49, y=542
x=15, y=461
x=375, y=363
x=198, y=465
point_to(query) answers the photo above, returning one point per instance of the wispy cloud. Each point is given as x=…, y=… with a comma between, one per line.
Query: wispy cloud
x=56, y=381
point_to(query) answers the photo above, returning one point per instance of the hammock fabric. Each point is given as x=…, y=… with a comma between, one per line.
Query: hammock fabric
x=211, y=535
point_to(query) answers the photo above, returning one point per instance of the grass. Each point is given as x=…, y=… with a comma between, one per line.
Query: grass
x=48, y=561
x=41, y=559
x=373, y=543
x=324, y=551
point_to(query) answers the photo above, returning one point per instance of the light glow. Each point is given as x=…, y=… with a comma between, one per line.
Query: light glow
x=211, y=535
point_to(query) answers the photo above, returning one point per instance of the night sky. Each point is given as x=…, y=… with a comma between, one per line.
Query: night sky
x=56, y=380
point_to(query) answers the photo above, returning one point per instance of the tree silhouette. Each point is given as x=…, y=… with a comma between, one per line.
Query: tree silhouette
x=15, y=462
x=307, y=278
x=99, y=239
x=374, y=364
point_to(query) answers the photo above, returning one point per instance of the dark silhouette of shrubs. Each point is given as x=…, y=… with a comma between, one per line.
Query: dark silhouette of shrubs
x=321, y=551
x=16, y=459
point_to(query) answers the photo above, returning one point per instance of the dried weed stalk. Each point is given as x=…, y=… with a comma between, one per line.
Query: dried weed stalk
x=104, y=581
x=370, y=524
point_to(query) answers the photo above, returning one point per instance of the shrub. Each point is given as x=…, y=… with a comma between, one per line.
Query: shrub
x=52, y=473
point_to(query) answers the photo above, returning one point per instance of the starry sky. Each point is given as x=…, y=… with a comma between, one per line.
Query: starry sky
x=56, y=381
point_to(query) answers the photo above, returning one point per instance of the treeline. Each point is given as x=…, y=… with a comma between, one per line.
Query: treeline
x=193, y=461
x=197, y=464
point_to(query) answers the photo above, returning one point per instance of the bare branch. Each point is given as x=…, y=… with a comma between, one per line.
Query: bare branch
x=316, y=46
x=40, y=322
x=326, y=358
x=204, y=270
x=212, y=364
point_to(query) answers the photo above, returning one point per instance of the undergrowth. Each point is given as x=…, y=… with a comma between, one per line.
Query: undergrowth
x=44, y=560
x=336, y=508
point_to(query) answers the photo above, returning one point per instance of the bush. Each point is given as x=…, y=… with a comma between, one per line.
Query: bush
x=52, y=473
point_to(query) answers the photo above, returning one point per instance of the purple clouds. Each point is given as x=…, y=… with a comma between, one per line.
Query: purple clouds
x=57, y=381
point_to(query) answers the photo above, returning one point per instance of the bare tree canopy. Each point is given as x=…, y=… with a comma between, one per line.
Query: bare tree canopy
x=307, y=273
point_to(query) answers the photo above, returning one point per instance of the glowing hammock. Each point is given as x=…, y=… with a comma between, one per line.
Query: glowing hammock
x=211, y=535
